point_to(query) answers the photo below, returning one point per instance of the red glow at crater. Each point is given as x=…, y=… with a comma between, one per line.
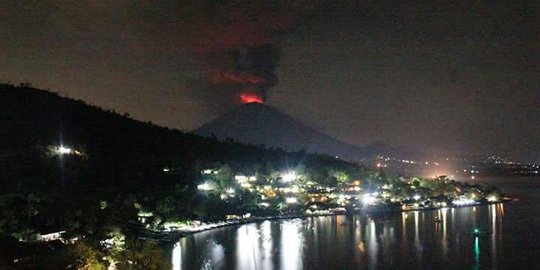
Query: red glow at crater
x=249, y=98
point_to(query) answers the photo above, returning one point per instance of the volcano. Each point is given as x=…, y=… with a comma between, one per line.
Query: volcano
x=260, y=124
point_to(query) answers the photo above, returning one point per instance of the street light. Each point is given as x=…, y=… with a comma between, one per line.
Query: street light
x=288, y=177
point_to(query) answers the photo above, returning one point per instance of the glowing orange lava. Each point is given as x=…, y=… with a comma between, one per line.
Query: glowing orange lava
x=249, y=98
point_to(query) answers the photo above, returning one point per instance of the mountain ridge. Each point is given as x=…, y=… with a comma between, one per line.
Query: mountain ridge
x=256, y=123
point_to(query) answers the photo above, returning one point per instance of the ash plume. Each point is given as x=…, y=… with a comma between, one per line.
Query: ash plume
x=253, y=71
x=240, y=52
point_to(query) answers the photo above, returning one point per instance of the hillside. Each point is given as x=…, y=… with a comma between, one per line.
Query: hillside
x=119, y=155
x=33, y=120
x=105, y=183
x=256, y=123
x=69, y=166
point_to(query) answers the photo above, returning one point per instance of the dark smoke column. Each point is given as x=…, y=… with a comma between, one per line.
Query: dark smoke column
x=252, y=74
x=240, y=47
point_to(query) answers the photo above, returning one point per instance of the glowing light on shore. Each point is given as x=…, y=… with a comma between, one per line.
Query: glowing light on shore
x=205, y=187
x=460, y=202
x=291, y=200
x=64, y=150
x=369, y=199
x=240, y=178
x=289, y=176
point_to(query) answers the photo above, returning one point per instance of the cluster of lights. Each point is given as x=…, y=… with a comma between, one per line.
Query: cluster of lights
x=205, y=187
x=244, y=181
x=369, y=199
x=441, y=204
x=289, y=177
x=291, y=200
x=228, y=193
x=243, y=178
x=65, y=150
x=381, y=165
x=463, y=201
x=245, y=185
x=240, y=178
x=264, y=204
x=209, y=171
x=355, y=188
x=292, y=189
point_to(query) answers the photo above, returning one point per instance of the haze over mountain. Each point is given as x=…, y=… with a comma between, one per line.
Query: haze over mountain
x=33, y=120
x=256, y=123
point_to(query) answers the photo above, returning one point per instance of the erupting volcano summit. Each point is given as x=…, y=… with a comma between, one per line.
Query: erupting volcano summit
x=256, y=123
x=250, y=98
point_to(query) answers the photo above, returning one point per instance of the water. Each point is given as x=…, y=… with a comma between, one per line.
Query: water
x=509, y=239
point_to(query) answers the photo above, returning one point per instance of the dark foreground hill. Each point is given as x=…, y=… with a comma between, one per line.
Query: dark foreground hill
x=68, y=166
x=111, y=186
x=118, y=153
x=116, y=146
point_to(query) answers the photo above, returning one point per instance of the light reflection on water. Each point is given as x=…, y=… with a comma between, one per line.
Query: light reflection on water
x=403, y=240
x=438, y=239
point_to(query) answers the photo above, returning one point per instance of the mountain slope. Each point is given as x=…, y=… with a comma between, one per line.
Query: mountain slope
x=257, y=123
x=117, y=149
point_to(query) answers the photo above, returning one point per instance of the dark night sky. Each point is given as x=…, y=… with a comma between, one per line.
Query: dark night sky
x=458, y=76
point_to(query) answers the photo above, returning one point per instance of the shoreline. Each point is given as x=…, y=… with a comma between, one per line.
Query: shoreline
x=176, y=235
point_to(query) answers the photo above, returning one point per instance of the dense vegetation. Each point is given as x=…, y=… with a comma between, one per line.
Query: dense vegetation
x=107, y=181
x=121, y=167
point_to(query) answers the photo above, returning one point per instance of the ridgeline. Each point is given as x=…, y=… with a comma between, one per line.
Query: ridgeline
x=69, y=166
x=87, y=188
